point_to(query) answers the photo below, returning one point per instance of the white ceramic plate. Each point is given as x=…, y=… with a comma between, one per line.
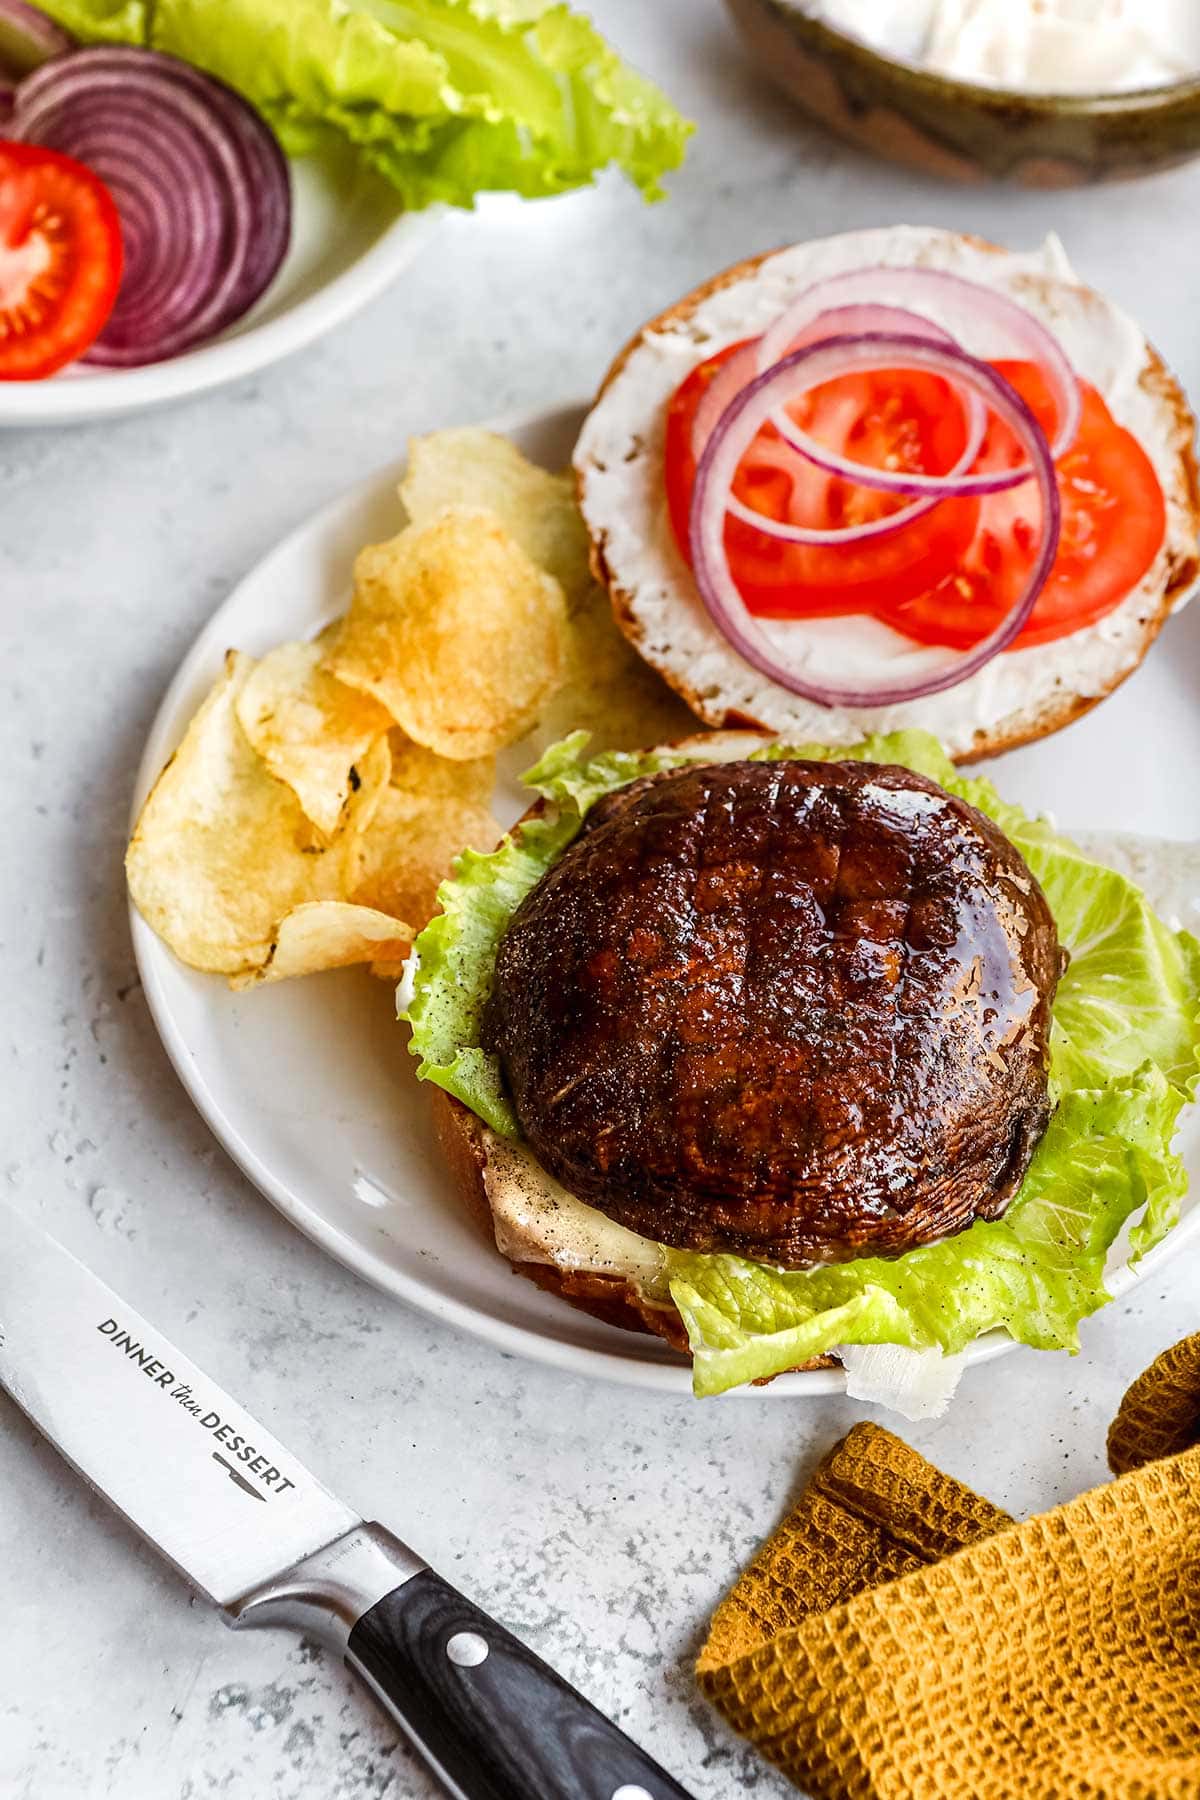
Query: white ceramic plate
x=349, y=240
x=309, y=1084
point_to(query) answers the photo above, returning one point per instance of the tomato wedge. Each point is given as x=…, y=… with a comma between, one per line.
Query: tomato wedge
x=60, y=260
x=951, y=575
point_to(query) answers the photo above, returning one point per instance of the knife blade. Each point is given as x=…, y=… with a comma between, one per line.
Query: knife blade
x=245, y=1522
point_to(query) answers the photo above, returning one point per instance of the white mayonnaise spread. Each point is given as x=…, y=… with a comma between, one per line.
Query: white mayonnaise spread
x=619, y=458
x=1033, y=46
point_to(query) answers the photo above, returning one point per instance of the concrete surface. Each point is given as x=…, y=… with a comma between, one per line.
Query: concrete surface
x=599, y=1522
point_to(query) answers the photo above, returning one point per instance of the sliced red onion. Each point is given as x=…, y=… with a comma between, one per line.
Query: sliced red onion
x=8, y=95
x=844, y=321
x=28, y=37
x=973, y=311
x=200, y=184
x=729, y=380
x=744, y=419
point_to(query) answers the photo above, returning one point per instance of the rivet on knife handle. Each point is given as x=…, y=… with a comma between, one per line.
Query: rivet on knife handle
x=493, y=1719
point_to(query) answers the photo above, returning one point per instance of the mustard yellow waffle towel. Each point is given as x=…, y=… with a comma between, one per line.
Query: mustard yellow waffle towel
x=900, y=1638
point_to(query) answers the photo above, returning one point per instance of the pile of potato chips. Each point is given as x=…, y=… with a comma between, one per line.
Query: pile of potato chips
x=321, y=793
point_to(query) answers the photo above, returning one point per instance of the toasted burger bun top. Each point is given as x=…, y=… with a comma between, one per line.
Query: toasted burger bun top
x=1021, y=694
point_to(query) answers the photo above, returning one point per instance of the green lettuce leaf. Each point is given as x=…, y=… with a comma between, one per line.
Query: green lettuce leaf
x=573, y=780
x=1125, y=1055
x=444, y=98
x=1035, y=1273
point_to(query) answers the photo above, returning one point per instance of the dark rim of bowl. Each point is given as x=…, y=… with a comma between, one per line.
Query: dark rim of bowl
x=985, y=94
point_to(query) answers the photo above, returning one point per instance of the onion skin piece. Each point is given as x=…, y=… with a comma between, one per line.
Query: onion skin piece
x=740, y=424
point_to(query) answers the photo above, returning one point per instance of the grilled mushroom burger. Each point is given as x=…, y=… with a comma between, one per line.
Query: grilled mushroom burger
x=739, y=1003
x=787, y=1052
x=796, y=1011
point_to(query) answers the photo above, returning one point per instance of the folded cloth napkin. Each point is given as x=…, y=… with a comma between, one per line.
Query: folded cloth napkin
x=900, y=1638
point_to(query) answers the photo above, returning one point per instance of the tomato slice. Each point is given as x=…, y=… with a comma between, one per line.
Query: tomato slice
x=952, y=575
x=60, y=260
x=1114, y=519
x=903, y=418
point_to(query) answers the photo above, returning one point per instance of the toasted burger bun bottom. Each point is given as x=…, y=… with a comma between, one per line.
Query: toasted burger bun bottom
x=1020, y=695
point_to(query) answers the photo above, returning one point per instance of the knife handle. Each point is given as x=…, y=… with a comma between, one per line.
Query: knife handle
x=490, y=1717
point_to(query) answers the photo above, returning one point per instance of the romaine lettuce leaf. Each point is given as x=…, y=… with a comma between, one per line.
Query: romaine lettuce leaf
x=1125, y=1055
x=1035, y=1273
x=445, y=98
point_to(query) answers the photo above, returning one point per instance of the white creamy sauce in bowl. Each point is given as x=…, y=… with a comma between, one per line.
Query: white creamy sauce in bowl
x=1033, y=46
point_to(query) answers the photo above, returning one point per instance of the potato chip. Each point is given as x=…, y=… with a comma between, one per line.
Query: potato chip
x=309, y=728
x=609, y=691
x=368, y=784
x=222, y=850
x=422, y=773
x=329, y=934
x=456, y=632
x=476, y=468
x=407, y=852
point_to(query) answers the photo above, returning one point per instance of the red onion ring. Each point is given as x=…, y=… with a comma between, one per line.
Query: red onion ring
x=201, y=188
x=726, y=384
x=740, y=424
x=973, y=309
x=845, y=321
x=28, y=37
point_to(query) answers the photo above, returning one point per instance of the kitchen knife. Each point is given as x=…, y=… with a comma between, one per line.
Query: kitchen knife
x=248, y=1526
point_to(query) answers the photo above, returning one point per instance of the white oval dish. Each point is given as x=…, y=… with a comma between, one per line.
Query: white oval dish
x=349, y=240
x=309, y=1085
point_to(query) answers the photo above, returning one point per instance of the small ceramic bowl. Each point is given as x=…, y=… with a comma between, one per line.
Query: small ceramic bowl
x=964, y=130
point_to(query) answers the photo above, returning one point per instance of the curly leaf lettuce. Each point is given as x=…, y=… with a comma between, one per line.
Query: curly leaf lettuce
x=444, y=98
x=573, y=781
x=1035, y=1273
x=1125, y=1056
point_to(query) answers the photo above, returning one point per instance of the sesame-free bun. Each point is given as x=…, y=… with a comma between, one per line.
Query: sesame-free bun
x=1021, y=694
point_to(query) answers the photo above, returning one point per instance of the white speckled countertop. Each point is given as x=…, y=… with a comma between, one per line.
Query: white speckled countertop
x=602, y=1523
